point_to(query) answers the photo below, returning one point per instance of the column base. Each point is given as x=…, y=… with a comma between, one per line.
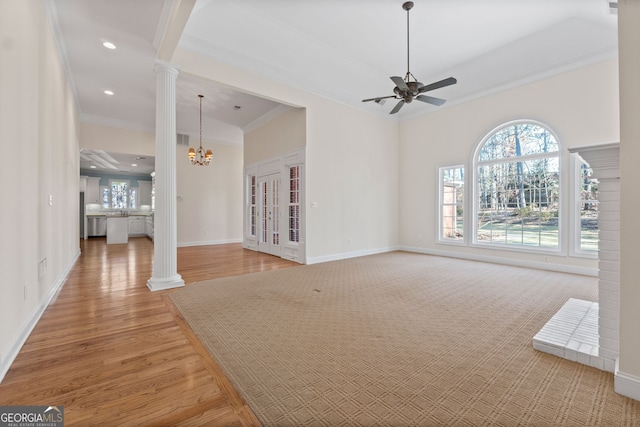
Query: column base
x=160, y=284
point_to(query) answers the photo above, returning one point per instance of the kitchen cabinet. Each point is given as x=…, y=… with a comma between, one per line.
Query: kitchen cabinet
x=92, y=193
x=137, y=225
x=117, y=230
x=144, y=187
x=149, y=227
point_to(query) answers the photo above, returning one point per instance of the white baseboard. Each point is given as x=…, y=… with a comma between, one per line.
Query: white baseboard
x=14, y=348
x=208, y=242
x=585, y=271
x=626, y=384
x=347, y=255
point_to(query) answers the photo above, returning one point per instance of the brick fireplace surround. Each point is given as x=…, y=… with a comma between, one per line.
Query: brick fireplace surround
x=584, y=331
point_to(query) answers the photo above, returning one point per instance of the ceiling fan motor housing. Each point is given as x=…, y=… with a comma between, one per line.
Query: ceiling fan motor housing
x=406, y=90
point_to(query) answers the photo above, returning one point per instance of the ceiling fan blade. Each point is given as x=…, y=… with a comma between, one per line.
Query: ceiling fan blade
x=378, y=99
x=397, y=107
x=400, y=83
x=437, y=85
x=431, y=100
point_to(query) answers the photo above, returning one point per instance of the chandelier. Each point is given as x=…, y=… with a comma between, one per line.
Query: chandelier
x=199, y=157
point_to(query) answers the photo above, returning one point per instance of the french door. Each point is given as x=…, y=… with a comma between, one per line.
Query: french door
x=269, y=214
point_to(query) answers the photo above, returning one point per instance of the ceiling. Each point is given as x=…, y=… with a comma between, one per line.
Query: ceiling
x=343, y=50
x=116, y=163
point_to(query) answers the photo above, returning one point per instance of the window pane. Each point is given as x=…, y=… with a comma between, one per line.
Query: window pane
x=588, y=209
x=105, y=198
x=119, y=194
x=518, y=199
x=452, y=204
x=521, y=139
x=132, y=198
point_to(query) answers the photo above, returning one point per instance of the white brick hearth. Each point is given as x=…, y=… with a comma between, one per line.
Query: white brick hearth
x=572, y=333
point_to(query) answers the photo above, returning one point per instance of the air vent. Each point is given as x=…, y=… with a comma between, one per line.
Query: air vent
x=613, y=7
x=182, y=139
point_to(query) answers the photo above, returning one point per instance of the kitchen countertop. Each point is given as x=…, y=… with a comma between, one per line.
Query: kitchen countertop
x=117, y=215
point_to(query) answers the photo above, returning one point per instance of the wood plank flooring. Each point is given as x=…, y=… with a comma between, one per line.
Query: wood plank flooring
x=114, y=353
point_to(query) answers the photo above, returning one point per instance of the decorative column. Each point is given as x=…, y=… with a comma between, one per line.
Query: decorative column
x=165, y=266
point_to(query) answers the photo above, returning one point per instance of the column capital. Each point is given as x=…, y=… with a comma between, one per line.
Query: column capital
x=165, y=68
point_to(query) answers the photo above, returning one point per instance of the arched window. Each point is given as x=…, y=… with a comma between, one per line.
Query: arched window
x=517, y=183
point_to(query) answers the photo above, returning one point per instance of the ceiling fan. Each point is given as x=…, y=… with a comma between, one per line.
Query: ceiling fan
x=406, y=89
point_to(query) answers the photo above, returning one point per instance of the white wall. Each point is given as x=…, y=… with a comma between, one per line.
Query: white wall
x=580, y=106
x=283, y=134
x=351, y=164
x=628, y=377
x=209, y=197
x=39, y=214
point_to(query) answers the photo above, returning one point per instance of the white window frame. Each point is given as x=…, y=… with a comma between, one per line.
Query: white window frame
x=473, y=177
x=576, y=250
x=441, y=204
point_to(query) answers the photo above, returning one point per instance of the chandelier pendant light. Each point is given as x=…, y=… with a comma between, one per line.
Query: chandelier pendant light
x=200, y=157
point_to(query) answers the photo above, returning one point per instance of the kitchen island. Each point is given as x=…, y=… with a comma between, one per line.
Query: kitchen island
x=117, y=230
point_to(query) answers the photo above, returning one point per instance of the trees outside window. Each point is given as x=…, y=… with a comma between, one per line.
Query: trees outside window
x=517, y=182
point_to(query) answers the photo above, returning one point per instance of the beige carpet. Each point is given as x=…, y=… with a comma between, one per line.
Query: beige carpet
x=400, y=339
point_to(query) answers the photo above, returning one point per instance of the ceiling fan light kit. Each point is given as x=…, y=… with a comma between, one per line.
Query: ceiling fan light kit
x=410, y=88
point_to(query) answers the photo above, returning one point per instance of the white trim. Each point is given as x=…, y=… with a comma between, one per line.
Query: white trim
x=163, y=25
x=14, y=348
x=584, y=271
x=347, y=255
x=208, y=242
x=164, y=283
x=52, y=16
x=626, y=384
x=265, y=118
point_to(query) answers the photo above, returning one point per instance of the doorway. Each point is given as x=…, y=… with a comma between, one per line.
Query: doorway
x=269, y=214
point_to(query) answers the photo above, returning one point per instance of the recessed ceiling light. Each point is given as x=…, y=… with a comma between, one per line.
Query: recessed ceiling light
x=134, y=164
x=92, y=167
x=108, y=45
x=108, y=92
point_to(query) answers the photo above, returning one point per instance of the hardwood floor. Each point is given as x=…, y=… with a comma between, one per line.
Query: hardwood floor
x=114, y=353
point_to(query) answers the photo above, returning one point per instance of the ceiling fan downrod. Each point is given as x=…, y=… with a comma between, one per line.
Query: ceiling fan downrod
x=408, y=6
x=407, y=90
